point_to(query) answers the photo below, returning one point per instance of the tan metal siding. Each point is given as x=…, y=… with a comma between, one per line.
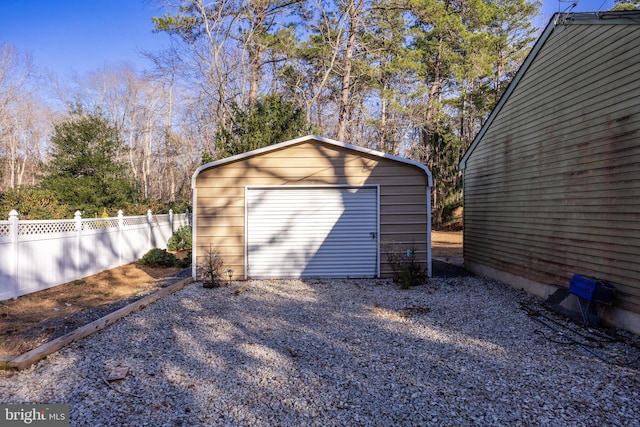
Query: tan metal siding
x=220, y=196
x=553, y=188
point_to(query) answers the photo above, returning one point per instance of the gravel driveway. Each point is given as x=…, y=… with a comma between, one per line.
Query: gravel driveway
x=457, y=351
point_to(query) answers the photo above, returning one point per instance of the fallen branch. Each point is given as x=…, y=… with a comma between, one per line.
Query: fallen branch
x=119, y=391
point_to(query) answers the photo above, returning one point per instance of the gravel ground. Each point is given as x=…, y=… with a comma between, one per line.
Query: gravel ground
x=457, y=351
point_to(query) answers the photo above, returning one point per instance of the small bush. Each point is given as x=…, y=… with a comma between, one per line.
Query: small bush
x=184, y=262
x=181, y=239
x=33, y=203
x=159, y=258
x=406, y=269
x=211, y=270
x=179, y=206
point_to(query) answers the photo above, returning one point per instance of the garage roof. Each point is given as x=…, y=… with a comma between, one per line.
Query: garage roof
x=305, y=139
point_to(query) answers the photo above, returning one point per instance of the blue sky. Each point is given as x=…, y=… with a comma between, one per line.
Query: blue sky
x=69, y=36
x=549, y=7
x=80, y=35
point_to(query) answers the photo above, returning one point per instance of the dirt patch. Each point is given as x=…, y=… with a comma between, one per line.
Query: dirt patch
x=32, y=320
x=446, y=243
x=446, y=249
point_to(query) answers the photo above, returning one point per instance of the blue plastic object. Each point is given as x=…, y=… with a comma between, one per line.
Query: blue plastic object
x=591, y=289
x=591, y=292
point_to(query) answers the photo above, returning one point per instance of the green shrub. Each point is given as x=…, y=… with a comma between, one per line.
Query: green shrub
x=211, y=273
x=406, y=268
x=179, y=206
x=184, y=262
x=181, y=239
x=33, y=203
x=159, y=258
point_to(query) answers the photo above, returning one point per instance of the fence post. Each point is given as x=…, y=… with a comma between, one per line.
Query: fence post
x=152, y=243
x=13, y=269
x=120, y=237
x=171, y=230
x=77, y=216
x=186, y=216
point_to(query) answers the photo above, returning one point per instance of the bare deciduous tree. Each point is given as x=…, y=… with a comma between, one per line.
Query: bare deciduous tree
x=23, y=120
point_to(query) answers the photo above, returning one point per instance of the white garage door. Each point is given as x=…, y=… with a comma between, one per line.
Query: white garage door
x=312, y=232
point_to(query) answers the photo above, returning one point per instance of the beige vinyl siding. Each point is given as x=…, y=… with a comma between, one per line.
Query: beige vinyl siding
x=220, y=195
x=553, y=187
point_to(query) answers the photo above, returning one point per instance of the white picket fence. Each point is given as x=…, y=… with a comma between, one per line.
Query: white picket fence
x=36, y=255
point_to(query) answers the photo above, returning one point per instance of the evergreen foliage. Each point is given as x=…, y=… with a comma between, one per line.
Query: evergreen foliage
x=271, y=120
x=464, y=56
x=83, y=171
x=158, y=258
x=31, y=203
x=181, y=239
x=622, y=5
x=161, y=258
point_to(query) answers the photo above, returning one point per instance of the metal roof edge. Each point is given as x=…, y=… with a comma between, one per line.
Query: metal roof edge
x=559, y=18
x=512, y=86
x=624, y=17
x=324, y=140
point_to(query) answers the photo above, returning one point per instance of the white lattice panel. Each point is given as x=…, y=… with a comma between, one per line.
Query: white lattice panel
x=97, y=224
x=27, y=228
x=135, y=220
x=5, y=229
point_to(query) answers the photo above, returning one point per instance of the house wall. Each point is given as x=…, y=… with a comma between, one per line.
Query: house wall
x=553, y=186
x=220, y=210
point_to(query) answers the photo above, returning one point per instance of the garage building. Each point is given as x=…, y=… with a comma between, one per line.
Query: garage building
x=311, y=207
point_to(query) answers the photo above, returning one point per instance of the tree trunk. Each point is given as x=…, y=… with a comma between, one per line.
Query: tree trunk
x=353, y=11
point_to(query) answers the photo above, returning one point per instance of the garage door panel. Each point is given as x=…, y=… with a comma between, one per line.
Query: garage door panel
x=320, y=232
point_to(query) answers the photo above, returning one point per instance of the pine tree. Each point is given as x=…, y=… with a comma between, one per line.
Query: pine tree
x=270, y=121
x=622, y=5
x=83, y=171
